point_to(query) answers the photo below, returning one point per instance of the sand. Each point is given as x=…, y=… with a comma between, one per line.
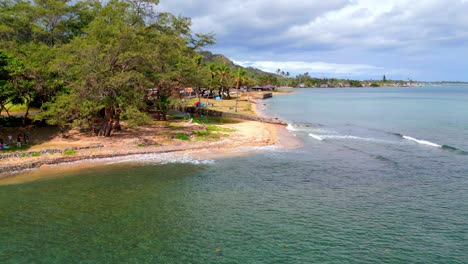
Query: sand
x=239, y=139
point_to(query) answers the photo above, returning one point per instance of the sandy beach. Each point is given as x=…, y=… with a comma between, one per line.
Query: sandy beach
x=152, y=139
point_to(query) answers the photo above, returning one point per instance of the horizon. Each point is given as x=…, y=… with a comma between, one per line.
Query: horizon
x=359, y=39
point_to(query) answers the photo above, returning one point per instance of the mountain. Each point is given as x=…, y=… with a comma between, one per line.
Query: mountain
x=209, y=57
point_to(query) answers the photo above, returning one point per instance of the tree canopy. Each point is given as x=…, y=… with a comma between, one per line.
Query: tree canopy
x=93, y=62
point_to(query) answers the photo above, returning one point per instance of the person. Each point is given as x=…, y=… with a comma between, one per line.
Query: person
x=10, y=139
x=1, y=144
x=18, y=141
x=26, y=139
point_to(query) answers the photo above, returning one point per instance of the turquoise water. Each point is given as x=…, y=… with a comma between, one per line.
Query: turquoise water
x=358, y=191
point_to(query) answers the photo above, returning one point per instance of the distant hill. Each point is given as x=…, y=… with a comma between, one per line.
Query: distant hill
x=209, y=57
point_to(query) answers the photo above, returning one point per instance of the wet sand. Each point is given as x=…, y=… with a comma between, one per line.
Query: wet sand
x=245, y=138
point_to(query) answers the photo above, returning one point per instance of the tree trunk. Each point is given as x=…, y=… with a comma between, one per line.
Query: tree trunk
x=109, y=127
x=27, y=113
x=107, y=124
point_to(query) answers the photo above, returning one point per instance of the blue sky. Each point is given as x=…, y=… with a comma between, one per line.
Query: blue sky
x=358, y=39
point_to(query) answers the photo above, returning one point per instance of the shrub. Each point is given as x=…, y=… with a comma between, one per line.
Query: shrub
x=135, y=117
x=69, y=152
x=35, y=154
x=202, y=133
x=218, y=129
x=182, y=136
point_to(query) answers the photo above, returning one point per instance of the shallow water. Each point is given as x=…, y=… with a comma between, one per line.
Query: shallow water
x=357, y=192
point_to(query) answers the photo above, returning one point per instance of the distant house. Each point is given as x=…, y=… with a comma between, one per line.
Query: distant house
x=256, y=88
x=269, y=87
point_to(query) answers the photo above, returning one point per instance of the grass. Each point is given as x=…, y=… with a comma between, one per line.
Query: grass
x=212, y=133
x=206, y=136
x=244, y=107
x=202, y=133
x=13, y=148
x=69, y=152
x=218, y=128
x=182, y=136
x=15, y=108
x=214, y=120
x=35, y=154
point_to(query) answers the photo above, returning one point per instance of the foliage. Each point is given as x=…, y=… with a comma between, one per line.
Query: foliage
x=82, y=61
x=182, y=136
x=69, y=152
x=202, y=133
x=218, y=128
x=135, y=117
x=15, y=86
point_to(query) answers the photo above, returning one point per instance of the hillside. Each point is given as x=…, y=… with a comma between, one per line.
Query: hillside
x=209, y=57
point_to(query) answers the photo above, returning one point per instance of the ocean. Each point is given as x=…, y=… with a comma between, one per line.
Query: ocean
x=382, y=177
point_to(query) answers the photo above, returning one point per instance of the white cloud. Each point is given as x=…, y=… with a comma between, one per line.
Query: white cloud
x=403, y=24
x=314, y=68
x=395, y=34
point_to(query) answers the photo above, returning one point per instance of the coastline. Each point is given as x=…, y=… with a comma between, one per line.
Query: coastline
x=243, y=135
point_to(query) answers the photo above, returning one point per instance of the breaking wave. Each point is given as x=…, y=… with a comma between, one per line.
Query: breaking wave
x=321, y=133
x=323, y=137
x=432, y=144
x=163, y=158
x=422, y=142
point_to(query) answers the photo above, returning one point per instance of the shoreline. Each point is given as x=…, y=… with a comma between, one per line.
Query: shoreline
x=246, y=134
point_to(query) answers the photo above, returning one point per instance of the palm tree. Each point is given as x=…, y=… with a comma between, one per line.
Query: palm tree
x=223, y=72
x=213, y=71
x=239, y=79
x=198, y=63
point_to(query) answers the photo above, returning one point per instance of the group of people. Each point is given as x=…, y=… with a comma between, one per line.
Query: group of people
x=20, y=139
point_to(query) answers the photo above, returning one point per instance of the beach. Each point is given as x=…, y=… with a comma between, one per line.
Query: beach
x=355, y=191
x=157, y=138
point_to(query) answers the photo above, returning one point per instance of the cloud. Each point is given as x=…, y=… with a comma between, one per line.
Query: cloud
x=317, y=68
x=403, y=35
x=399, y=24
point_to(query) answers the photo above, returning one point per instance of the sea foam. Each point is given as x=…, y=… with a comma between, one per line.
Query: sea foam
x=161, y=158
x=423, y=142
x=323, y=137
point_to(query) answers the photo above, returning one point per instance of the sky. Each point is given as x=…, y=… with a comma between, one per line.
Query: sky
x=425, y=40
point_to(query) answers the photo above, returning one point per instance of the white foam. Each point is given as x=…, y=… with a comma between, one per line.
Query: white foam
x=291, y=127
x=316, y=136
x=162, y=158
x=258, y=149
x=323, y=137
x=297, y=128
x=423, y=142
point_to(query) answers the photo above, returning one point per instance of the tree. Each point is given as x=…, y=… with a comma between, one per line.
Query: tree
x=384, y=79
x=212, y=68
x=240, y=73
x=223, y=73
x=16, y=86
x=6, y=76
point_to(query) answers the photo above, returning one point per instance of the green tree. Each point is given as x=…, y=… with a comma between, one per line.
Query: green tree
x=240, y=74
x=213, y=69
x=16, y=86
x=224, y=74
